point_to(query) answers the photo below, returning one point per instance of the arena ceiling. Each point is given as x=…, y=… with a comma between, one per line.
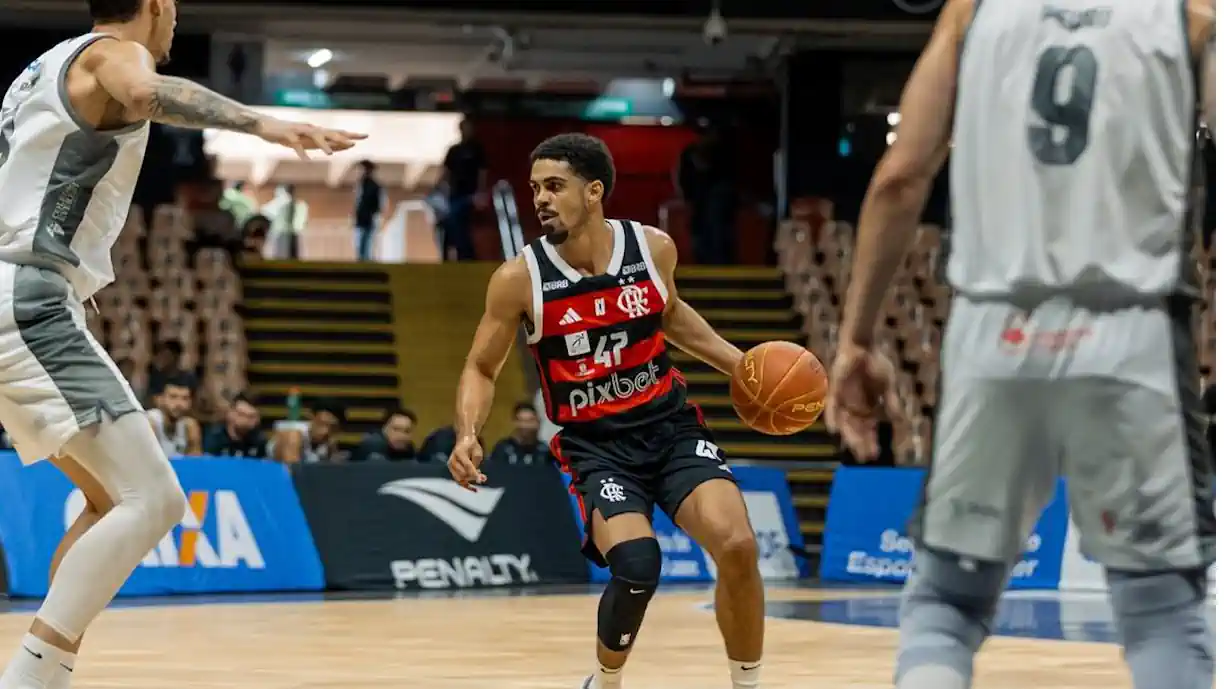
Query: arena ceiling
x=537, y=39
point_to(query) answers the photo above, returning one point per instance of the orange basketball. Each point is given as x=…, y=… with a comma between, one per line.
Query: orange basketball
x=779, y=388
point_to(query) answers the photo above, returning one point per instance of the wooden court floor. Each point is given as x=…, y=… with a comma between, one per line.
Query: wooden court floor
x=511, y=642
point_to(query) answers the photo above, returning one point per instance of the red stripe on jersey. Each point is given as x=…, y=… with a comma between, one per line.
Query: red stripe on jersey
x=554, y=446
x=592, y=404
x=600, y=309
x=613, y=359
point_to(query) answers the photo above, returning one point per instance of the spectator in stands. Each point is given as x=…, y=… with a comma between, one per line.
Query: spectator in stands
x=705, y=177
x=465, y=179
x=439, y=444
x=239, y=435
x=316, y=440
x=255, y=237
x=523, y=446
x=214, y=226
x=287, y=214
x=166, y=357
x=393, y=443
x=238, y=203
x=178, y=433
x=370, y=203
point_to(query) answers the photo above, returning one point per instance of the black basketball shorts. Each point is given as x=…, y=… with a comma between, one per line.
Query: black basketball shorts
x=632, y=472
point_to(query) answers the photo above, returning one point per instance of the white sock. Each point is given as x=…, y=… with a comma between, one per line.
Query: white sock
x=608, y=678
x=62, y=679
x=34, y=665
x=745, y=675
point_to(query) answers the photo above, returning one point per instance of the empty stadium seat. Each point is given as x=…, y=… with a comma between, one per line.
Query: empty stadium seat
x=161, y=290
x=817, y=266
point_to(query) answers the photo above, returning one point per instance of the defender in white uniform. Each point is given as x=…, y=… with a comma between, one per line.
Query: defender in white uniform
x=73, y=130
x=1070, y=346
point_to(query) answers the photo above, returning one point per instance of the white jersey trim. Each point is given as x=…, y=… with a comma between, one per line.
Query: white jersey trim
x=648, y=257
x=537, y=295
x=614, y=264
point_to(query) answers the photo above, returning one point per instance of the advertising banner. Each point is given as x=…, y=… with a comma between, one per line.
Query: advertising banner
x=409, y=526
x=869, y=511
x=243, y=531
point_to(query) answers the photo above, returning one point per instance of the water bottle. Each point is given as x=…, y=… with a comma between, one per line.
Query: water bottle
x=293, y=401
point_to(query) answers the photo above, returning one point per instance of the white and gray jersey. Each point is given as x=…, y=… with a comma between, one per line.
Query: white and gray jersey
x=1074, y=145
x=65, y=188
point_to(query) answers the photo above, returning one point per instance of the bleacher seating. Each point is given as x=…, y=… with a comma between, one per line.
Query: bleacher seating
x=162, y=293
x=815, y=253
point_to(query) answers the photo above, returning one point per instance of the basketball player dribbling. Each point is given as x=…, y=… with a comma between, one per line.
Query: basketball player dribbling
x=598, y=300
x=1074, y=123
x=73, y=130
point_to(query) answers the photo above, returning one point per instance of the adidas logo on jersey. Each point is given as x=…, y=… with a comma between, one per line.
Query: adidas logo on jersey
x=571, y=317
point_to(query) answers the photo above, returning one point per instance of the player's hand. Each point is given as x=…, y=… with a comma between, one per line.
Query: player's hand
x=303, y=137
x=464, y=463
x=862, y=390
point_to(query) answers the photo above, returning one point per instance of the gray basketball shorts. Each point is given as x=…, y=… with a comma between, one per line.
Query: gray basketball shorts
x=55, y=378
x=1107, y=397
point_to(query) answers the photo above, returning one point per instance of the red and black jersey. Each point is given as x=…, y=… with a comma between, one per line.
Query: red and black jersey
x=598, y=339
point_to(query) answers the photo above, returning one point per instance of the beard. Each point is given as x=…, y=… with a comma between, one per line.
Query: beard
x=557, y=237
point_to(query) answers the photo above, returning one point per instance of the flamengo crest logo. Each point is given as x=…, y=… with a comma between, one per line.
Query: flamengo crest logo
x=462, y=510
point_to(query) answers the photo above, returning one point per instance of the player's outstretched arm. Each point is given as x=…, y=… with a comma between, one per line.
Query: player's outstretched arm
x=682, y=325
x=903, y=178
x=505, y=303
x=125, y=70
x=1201, y=15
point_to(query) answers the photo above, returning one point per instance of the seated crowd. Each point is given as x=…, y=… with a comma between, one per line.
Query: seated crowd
x=314, y=438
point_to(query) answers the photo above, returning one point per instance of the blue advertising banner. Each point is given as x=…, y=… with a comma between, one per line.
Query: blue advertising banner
x=244, y=530
x=870, y=507
x=771, y=512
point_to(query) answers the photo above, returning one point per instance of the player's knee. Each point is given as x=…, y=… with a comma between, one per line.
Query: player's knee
x=1157, y=604
x=972, y=586
x=735, y=551
x=163, y=498
x=635, y=567
x=637, y=562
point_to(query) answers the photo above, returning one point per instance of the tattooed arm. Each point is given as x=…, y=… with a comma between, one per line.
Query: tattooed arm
x=125, y=71
x=183, y=103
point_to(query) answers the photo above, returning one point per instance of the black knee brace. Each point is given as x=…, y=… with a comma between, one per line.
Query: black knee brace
x=635, y=569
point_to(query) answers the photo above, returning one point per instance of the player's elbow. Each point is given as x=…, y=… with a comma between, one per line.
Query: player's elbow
x=476, y=370
x=139, y=96
x=900, y=181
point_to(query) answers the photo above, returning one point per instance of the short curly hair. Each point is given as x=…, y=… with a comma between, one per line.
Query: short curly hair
x=587, y=156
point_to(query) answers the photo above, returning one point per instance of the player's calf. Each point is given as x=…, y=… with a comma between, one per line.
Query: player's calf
x=1162, y=623
x=635, y=565
x=739, y=601
x=715, y=515
x=946, y=612
x=148, y=502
